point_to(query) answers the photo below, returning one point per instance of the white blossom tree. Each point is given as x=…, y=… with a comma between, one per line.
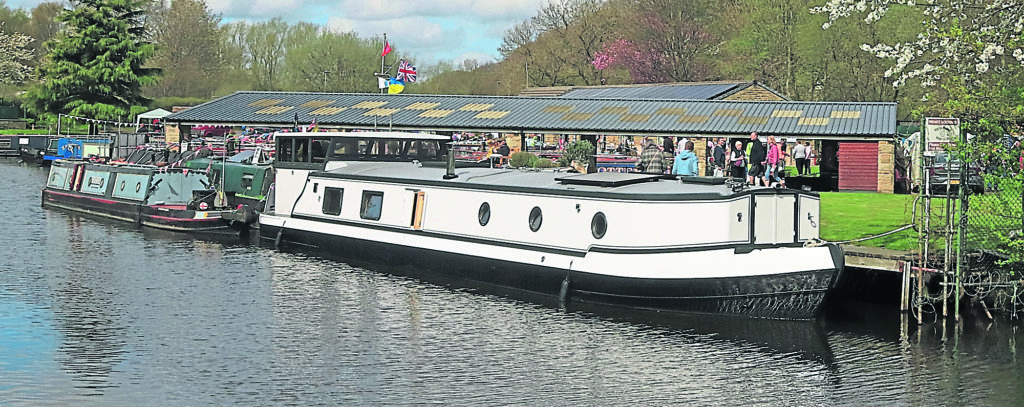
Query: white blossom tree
x=14, y=52
x=973, y=50
x=959, y=39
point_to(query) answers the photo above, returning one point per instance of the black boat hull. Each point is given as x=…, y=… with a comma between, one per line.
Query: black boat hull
x=794, y=296
x=160, y=217
x=33, y=156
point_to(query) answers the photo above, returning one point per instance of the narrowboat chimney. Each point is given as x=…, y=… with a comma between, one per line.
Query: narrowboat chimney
x=451, y=165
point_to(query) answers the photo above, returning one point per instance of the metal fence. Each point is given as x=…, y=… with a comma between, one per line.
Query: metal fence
x=971, y=242
x=989, y=237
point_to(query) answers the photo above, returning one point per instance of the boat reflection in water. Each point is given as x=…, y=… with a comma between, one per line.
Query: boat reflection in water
x=806, y=340
x=109, y=313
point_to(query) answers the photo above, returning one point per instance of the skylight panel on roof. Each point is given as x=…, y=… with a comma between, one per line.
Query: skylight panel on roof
x=369, y=104
x=313, y=104
x=266, y=102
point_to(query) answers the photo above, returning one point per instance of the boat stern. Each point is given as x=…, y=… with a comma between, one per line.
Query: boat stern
x=770, y=282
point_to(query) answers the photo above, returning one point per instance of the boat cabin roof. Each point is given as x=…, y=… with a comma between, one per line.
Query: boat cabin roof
x=366, y=135
x=377, y=167
x=601, y=185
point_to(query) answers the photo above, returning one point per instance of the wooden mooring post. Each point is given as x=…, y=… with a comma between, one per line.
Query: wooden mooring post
x=905, y=289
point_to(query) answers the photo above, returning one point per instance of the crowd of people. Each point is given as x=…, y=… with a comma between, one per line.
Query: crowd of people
x=755, y=162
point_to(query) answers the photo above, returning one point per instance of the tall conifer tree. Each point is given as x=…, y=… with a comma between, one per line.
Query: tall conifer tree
x=94, y=68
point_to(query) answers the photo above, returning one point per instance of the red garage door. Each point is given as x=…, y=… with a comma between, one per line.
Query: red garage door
x=858, y=166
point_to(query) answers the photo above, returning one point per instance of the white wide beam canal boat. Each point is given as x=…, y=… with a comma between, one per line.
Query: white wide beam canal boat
x=636, y=240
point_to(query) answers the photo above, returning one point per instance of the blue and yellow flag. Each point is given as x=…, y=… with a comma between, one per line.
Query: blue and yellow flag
x=395, y=86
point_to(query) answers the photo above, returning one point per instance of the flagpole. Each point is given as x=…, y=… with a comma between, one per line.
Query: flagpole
x=382, y=56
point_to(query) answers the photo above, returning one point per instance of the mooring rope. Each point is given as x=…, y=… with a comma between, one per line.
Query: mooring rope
x=897, y=230
x=819, y=241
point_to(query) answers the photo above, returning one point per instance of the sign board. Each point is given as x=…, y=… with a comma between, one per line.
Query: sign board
x=940, y=132
x=172, y=134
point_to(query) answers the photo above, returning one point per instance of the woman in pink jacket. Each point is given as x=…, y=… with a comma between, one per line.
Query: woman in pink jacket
x=772, y=163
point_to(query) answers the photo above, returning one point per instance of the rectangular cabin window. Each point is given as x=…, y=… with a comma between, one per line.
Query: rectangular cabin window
x=392, y=149
x=345, y=148
x=60, y=177
x=413, y=148
x=284, y=150
x=366, y=148
x=423, y=150
x=301, y=150
x=371, y=205
x=429, y=151
x=318, y=150
x=332, y=200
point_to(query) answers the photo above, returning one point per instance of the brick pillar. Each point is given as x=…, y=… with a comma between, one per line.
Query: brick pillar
x=700, y=146
x=886, y=166
x=514, y=141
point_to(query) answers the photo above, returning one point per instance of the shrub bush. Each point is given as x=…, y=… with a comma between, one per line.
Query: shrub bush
x=579, y=151
x=544, y=163
x=522, y=159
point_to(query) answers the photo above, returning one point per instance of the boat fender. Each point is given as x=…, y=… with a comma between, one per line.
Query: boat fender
x=563, y=293
x=250, y=215
x=220, y=200
x=277, y=240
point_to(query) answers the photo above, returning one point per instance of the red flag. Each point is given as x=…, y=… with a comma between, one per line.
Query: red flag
x=387, y=49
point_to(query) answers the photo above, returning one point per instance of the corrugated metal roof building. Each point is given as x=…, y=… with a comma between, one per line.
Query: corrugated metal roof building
x=870, y=124
x=838, y=120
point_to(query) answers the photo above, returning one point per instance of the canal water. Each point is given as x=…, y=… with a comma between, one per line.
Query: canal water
x=94, y=312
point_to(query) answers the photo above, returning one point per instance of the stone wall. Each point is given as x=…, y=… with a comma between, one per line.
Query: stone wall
x=886, y=167
x=13, y=124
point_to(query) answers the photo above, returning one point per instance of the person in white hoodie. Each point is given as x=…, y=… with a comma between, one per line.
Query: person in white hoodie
x=686, y=162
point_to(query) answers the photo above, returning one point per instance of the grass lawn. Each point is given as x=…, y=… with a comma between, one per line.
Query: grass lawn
x=77, y=129
x=790, y=171
x=853, y=215
x=24, y=131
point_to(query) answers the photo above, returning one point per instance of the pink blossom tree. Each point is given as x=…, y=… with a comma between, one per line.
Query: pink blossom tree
x=664, y=51
x=644, y=65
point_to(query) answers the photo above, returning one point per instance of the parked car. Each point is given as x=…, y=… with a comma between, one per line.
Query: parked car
x=947, y=169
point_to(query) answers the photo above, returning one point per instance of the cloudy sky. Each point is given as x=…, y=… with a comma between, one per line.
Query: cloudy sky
x=428, y=30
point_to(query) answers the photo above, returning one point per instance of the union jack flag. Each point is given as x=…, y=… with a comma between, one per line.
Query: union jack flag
x=406, y=72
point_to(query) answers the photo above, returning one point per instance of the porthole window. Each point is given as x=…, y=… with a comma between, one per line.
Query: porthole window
x=598, y=225
x=536, y=218
x=484, y=214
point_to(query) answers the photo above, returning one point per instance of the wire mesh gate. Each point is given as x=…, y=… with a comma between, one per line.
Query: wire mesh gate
x=971, y=242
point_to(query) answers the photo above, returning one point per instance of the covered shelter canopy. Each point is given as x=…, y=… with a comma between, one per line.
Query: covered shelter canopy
x=563, y=115
x=152, y=114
